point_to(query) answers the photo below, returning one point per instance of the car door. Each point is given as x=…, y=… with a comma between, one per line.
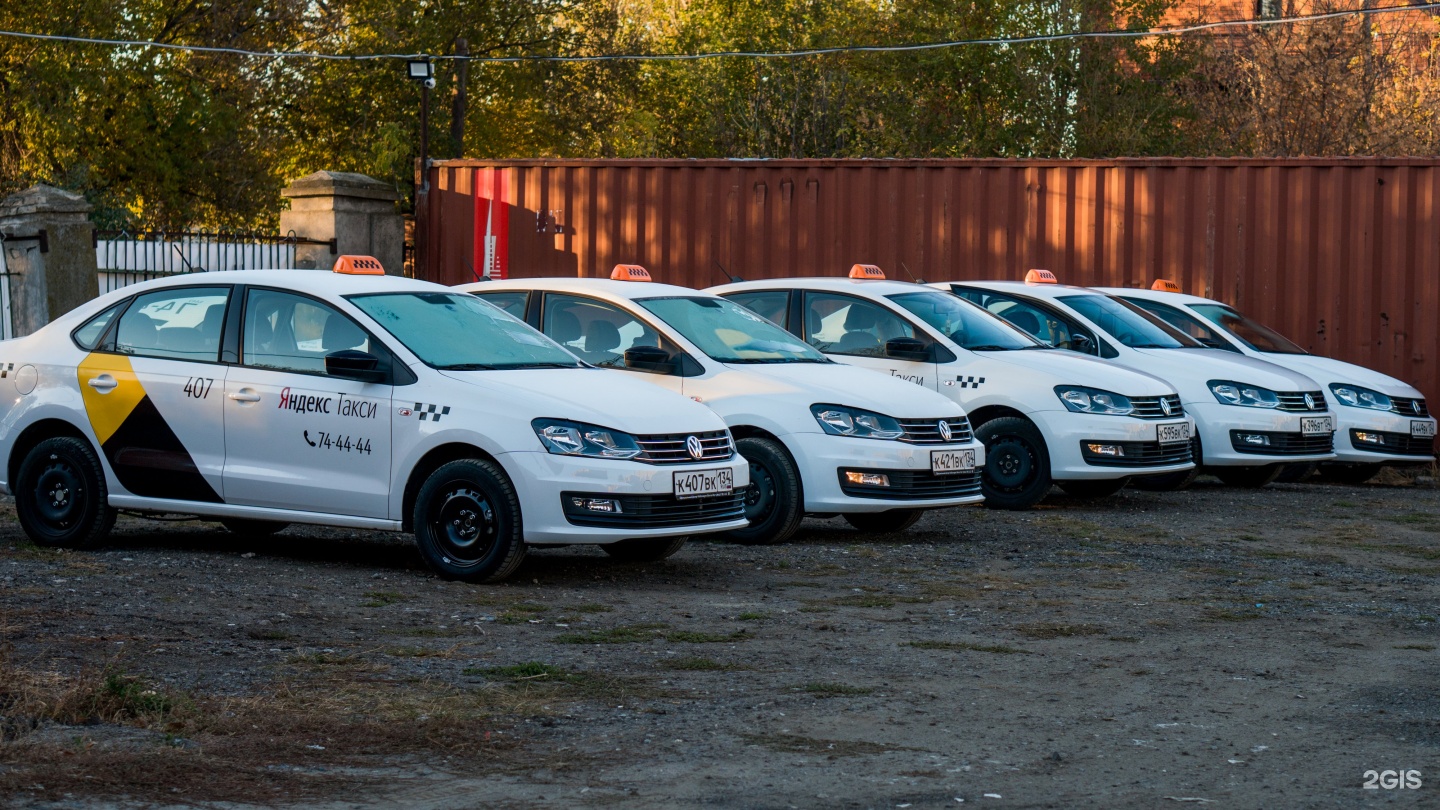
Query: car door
x=854, y=330
x=599, y=333
x=297, y=437
x=153, y=394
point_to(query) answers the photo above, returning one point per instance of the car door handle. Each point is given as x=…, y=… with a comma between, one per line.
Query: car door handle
x=103, y=383
x=244, y=395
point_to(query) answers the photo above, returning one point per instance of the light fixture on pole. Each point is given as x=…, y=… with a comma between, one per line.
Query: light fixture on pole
x=422, y=71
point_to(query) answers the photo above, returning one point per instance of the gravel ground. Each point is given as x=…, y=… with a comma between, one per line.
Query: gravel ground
x=1216, y=647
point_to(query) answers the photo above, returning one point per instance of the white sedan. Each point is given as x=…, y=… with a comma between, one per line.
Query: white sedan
x=263, y=398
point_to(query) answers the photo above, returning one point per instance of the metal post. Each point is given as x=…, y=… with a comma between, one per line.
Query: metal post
x=424, y=139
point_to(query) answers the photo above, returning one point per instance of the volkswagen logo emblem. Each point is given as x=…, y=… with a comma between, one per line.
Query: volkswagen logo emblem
x=1416, y=405
x=1166, y=406
x=945, y=432
x=1310, y=402
x=694, y=447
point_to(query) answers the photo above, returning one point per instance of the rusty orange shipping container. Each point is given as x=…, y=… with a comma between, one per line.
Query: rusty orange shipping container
x=1342, y=255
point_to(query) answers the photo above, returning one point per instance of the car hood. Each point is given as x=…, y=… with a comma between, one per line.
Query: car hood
x=1072, y=368
x=1190, y=369
x=1325, y=370
x=596, y=396
x=839, y=384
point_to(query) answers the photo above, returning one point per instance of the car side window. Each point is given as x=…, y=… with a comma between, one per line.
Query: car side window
x=844, y=324
x=1185, y=322
x=184, y=323
x=772, y=305
x=88, y=335
x=288, y=332
x=1041, y=323
x=599, y=333
x=512, y=301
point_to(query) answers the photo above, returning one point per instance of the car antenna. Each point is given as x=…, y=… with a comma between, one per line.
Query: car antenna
x=477, y=276
x=189, y=268
x=732, y=279
x=911, y=275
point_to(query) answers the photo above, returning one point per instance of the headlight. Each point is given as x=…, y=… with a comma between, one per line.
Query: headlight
x=1093, y=400
x=839, y=420
x=1357, y=397
x=578, y=439
x=1249, y=396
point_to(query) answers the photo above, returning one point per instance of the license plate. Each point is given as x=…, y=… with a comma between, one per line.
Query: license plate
x=951, y=461
x=1423, y=430
x=1179, y=432
x=696, y=483
x=1310, y=425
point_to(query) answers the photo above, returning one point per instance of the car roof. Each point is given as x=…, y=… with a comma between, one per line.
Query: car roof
x=1026, y=288
x=1159, y=295
x=842, y=284
x=315, y=282
x=622, y=290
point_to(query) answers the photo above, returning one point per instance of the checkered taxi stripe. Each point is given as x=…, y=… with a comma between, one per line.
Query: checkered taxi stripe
x=431, y=411
x=970, y=382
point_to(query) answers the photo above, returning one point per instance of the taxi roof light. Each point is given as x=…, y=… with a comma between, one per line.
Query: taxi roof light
x=1165, y=285
x=1038, y=276
x=629, y=272
x=359, y=266
x=868, y=271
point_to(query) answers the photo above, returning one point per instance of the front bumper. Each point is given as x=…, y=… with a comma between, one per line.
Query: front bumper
x=543, y=479
x=823, y=459
x=1067, y=432
x=1394, y=429
x=1218, y=422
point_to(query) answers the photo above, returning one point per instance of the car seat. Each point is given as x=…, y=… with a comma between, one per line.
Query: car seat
x=210, y=327
x=137, y=331
x=601, y=340
x=340, y=333
x=858, y=339
x=562, y=326
x=1025, y=321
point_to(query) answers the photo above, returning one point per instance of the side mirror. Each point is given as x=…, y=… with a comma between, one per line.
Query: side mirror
x=649, y=358
x=351, y=364
x=1082, y=343
x=906, y=348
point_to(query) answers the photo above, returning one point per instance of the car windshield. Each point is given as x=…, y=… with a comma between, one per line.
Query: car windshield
x=458, y=332
x=730, y=333
x=1254, y=334
x=1127, y=324
x=969, y=326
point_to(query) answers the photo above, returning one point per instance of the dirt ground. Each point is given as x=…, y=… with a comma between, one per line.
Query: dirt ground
x=1216, y=647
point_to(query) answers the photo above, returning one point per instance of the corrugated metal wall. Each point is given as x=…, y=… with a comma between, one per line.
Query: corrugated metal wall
x=1342, y=255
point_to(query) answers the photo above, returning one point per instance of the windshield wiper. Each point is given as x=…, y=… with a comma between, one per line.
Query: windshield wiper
x=466, y=367
x=1160, y=346
x=545, y=365
x=991, y=347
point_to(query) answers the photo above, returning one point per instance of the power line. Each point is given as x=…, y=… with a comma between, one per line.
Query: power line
x=674, y=57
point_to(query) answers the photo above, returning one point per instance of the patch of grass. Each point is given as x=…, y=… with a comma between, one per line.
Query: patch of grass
x=1070, y=527
x=829, y=690
x=1421, y=520
x=590, y=608
x=998, y=649
x=753, y=616
x=422, y=652
x=698, y=637
x=1424, y=647
x=383, y=598
x=697, y=665
x=1250, y=538
x=1124, y=639
x=1049, y=630
x=530, y=670
x=624, y=634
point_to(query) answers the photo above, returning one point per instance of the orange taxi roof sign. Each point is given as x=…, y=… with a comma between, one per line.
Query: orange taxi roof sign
x=1038, y=276
x=1165, y=285
x=869, y=271
x=359, y=266
x=629, y=272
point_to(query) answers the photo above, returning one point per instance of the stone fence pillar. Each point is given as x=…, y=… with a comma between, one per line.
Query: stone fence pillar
x=357, y=211
x=54, y=274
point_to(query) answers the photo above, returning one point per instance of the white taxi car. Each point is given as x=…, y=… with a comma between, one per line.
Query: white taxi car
x=821, y=438
x=1252, y=416
x=1381, y=420
x=1044, y=416
x=263, y=398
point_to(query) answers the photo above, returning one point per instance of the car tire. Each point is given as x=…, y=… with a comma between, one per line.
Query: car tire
x=1101, y=488
x=60, y=495
x=1297, y=472
x=1247, y=477
x=1166, y=482
x=467, y=522
x=1349, y=473
x=645, y=549
x=887, y=522
x=246, y=527
x=1017, y=465
x=772, y=500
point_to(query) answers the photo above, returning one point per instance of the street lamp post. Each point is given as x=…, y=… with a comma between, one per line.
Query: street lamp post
x=422, y=72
